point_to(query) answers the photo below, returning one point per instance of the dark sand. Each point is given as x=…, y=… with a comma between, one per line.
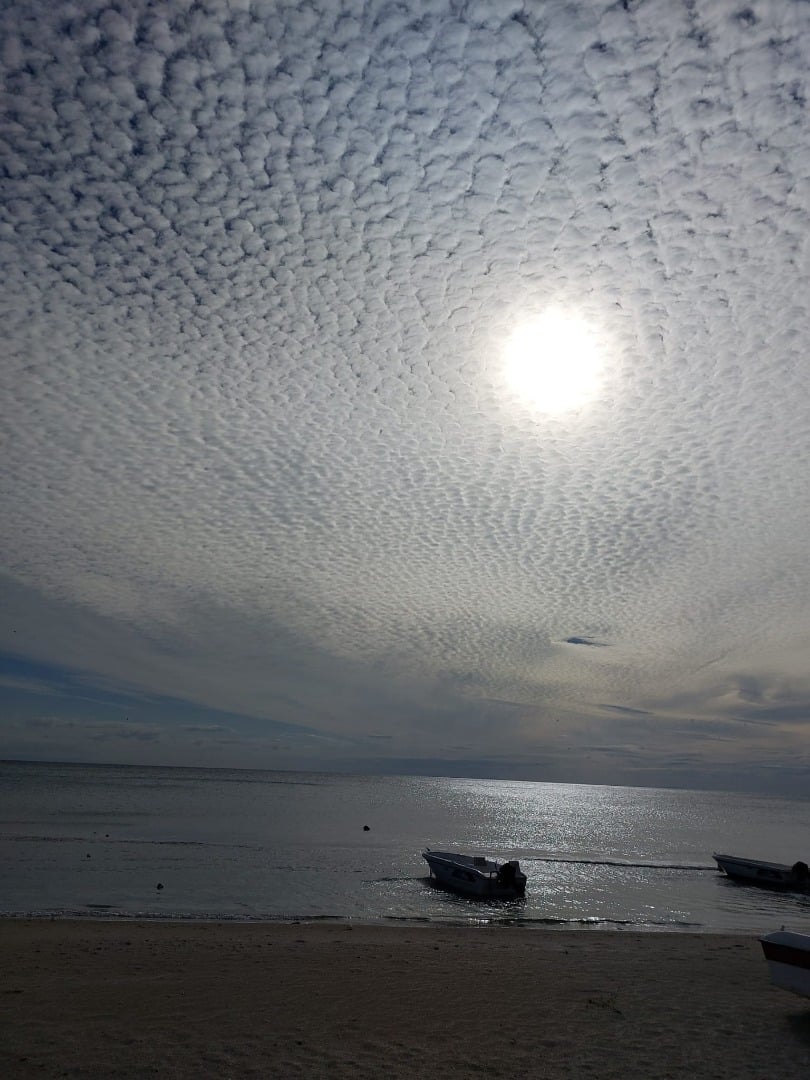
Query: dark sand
x=323, y=1000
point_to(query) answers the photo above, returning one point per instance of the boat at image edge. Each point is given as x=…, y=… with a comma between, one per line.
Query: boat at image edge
x=788, y=956
x=476, y=875
x=795, y=878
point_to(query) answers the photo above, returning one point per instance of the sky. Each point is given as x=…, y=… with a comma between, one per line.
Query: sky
x=408, y=387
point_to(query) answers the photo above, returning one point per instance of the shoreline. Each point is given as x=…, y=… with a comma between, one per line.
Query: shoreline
x=132, y=998
x=529, y=925
x=395, y=922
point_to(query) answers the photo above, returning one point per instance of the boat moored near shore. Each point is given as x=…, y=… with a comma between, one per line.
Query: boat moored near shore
x=788, y=956
x=768, y=875
x=476, y=875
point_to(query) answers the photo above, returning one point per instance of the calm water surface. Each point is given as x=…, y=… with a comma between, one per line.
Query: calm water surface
x=96, y=840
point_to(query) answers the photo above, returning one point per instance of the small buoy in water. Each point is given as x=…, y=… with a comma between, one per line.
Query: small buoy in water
x=159, y=885
x=365, y=829
x=87, y=856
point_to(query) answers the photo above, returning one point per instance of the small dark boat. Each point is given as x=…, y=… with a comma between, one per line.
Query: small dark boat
x=788, y=957
x=795, y=878
x=476, y=875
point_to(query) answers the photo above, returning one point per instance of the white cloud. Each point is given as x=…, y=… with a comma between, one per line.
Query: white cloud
x=259, y=263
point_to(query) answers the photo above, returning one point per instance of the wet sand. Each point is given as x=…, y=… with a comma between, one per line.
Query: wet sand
x=122, y=999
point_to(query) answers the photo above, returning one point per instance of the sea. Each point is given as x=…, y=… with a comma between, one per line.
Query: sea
x=125, y=842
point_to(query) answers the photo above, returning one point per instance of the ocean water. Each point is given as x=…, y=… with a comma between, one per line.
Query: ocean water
x=95, y=841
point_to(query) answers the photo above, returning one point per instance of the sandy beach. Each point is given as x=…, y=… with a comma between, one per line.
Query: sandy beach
x=314, y=1000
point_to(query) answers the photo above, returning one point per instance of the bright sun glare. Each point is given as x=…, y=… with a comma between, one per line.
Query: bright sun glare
x=553, y=362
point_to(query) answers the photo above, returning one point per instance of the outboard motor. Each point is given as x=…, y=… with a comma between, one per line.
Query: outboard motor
x=506, y=874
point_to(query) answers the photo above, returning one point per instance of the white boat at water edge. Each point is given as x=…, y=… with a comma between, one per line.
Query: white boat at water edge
x=476, y=875
x=788, y=956
x=795, y=878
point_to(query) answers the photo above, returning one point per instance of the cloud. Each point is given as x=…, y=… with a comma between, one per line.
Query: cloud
x=62, y=730
x=259, y=265
x=625, y=710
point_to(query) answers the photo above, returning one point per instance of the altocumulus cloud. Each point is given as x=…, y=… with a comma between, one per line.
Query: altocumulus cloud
x=259, y=263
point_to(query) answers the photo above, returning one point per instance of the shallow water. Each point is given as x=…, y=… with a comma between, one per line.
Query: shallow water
x=96, y=841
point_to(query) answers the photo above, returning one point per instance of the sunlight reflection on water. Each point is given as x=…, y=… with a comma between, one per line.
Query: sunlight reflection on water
x=245, y=845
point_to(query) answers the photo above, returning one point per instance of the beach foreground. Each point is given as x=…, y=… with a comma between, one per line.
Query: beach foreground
x=231, y=1000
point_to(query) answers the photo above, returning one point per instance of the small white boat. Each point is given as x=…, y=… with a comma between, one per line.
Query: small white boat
x=795, y=878
x=788, y=956
x=476, y=875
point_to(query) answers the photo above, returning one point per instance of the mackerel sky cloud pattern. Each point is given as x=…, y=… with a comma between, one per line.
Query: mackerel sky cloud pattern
x=260, y=260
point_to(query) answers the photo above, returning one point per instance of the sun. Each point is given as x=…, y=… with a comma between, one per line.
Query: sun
x=553, y=362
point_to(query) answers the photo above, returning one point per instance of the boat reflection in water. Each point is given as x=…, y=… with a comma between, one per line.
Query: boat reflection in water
x=476, y=875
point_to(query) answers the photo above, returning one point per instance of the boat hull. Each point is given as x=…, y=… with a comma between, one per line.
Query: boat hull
x=788, y=957
x=766, y=875
x=475, y=876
